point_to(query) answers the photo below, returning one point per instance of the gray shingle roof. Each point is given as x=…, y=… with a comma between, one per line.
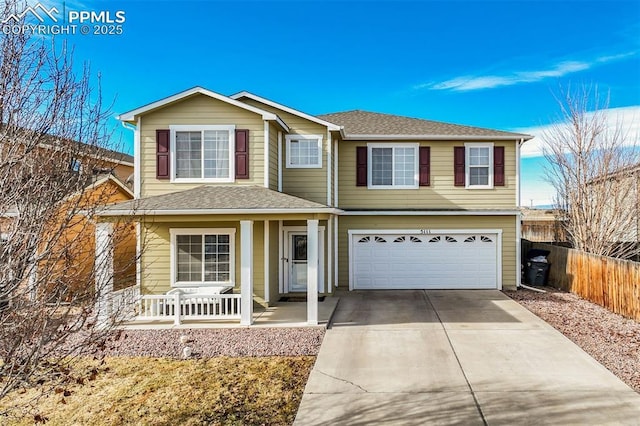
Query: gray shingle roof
x=217, y=197
x=359, y=122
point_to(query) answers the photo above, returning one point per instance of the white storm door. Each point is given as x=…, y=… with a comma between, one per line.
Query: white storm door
x=297, y=261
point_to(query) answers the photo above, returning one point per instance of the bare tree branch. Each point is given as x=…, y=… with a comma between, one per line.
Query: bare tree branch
x=54, y=144
x=593, y=166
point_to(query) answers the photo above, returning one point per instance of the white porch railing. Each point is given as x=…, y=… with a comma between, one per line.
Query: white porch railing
x=123, y=304
x=180, y=306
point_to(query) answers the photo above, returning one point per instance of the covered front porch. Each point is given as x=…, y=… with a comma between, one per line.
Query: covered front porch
x=220, y=265
x=284, y=314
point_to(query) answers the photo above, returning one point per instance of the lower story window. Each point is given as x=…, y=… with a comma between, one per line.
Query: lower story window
x=204, y=257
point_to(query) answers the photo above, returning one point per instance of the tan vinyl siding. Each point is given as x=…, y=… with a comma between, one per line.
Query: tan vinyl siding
x=156, y=258
x=334, y=160
x=273, y=156
x=506, y=223
x=441, y=194
x=274, y=261
x=306, y=183
x=198, y=110
x=258, y=260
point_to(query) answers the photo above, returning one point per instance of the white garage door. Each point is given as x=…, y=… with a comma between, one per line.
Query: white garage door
x=434, y=261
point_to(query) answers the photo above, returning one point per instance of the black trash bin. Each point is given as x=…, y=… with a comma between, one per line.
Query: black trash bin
x=536, y=273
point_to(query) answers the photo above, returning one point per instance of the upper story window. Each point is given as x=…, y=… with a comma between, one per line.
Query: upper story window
x=304, y=151
x=393, y=166
x=203, y=153
x=479, y=173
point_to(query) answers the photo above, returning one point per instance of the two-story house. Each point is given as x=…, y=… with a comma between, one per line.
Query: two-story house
x=242, y=192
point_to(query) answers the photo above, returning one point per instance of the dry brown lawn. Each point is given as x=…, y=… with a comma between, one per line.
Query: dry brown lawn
x=151, y=391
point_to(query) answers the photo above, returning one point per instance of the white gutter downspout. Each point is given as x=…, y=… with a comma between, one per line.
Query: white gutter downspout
x=279, y=161
x=335, y=175
x=266, y=154
x=136, y=193
x=519, y=227
x=329, y=164
x=136, y=156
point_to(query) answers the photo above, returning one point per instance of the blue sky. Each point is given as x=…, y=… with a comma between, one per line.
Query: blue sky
x=488, y=64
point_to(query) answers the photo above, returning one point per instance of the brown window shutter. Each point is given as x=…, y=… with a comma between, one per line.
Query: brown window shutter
x=361, y=166
x=162, y=154
x=242, y=154
x=458, y=166
x=498, y=166
x=424, y=165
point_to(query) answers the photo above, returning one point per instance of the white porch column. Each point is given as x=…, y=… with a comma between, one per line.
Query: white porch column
x=312, y=272
x=103, y=272
x=267, y=254
x=246, y=271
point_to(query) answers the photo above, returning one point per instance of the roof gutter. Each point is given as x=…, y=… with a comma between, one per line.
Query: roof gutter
x=157, y=212
x=505, y=212
x=358, y=137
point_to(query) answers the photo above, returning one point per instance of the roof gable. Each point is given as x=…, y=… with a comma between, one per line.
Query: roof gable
x=131, y=116
x=284, y=108
x=359, y=124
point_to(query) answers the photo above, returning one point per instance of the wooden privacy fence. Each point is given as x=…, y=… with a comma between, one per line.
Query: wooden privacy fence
x=609, y=282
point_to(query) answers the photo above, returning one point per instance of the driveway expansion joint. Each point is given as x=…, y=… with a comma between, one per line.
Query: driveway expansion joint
x=455, y=354
x=343, y=380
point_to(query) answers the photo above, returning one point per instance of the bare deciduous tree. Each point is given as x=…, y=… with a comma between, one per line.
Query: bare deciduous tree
x=53, y=145
x=593, y=167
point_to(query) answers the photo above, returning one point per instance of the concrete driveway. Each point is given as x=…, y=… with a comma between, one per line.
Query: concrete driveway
x=455, y=357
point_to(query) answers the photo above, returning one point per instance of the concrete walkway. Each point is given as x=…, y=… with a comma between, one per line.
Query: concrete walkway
x=455, y=357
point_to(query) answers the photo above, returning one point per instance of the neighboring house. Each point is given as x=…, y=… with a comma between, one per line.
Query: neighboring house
x=240, y=191
x=72, y=274
x=542, y=225
x=67, y=269
x=626, y=187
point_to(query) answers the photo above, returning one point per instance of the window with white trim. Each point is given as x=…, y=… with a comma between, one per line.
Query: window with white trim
x=393, y=166
x=203, y=257
x=203, y=153
x=479, y=165
x=304, y=151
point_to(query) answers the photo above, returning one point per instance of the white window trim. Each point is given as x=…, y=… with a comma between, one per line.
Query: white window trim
x=317, y=165
x=195, y=128
x=467, y=165
x=174, y=232
x=370, y=147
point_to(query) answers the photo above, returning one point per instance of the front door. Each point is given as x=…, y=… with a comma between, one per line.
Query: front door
x=294, y=259
x=297, y=261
